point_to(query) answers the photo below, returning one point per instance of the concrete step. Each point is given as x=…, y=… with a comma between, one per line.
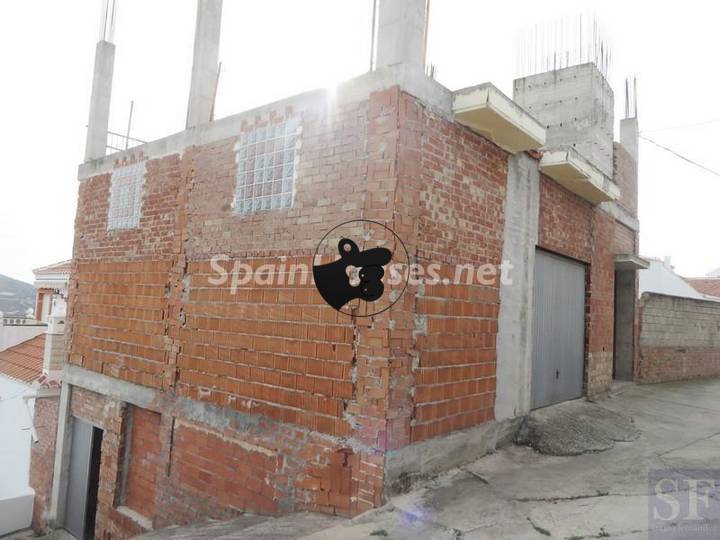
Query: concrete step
x=249, y=527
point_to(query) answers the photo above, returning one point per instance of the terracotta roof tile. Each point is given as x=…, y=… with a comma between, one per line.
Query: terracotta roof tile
x=24, y=362
x=709, y=286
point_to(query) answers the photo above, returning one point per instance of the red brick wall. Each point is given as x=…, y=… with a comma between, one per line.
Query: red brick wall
x=144, y=463
x=42, y=459
x=460, y=181
x=565, y=223
x=665, y=364
x=154, y=239
x=189, y=471
x=625, y=170
x=601, y=305
x=143, y=311
x=625, y=240
x=119, y=319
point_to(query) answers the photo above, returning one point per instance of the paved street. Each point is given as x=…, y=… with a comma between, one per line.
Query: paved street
x=520, y=494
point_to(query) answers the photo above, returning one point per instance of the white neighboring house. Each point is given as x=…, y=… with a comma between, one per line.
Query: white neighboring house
x=31, y=355
x=20, y=367
x=661, y=278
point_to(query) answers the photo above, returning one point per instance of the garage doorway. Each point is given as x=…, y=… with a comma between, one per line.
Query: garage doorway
x=558, y=357
x=83, y=480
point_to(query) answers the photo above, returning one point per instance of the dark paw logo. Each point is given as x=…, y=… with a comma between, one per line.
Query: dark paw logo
x=338, y=283
x=360, y=274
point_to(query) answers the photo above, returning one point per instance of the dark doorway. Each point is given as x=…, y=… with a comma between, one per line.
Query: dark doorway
x=624, y=345
x=84, y=479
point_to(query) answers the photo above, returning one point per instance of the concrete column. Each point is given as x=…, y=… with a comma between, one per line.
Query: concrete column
x=625, y=306
x=401, y=32
x=514, y=340
x=630, y=136
x=61, y=468
x=205, y=62
x=100, y=101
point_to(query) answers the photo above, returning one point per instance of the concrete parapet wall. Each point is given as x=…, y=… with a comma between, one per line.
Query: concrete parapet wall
x=679, y=338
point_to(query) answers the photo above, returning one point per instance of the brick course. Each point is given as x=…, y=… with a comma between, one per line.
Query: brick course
x=143, y=311
x=626, y=177
x=144, y=461
x=461, y=180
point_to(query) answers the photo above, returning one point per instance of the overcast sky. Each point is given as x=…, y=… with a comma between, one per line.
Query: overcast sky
x=275, y=48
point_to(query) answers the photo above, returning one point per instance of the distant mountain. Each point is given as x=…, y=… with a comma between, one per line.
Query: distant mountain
x=16, y=297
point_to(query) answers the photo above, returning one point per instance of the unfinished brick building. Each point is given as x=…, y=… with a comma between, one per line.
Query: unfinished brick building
x=182, y=400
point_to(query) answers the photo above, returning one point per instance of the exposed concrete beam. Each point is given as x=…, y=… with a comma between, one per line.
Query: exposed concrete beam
x=100, y=101
x=205, y=62
x=401, y=32
x=182, y=408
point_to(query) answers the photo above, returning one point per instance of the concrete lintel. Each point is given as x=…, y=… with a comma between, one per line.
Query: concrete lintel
x=218, y=418
x=629, y=261
x=412, y=463
x=102, y=384
x=42, y=393
x=488, y=111
x=410, y=79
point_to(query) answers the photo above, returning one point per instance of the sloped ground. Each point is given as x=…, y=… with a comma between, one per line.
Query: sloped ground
x=521, y=494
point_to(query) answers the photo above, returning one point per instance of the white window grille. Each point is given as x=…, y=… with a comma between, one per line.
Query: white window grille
x=267, y=167
x=126, y=192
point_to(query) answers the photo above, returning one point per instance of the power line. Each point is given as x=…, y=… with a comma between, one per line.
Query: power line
x=682, y=126
x=681, y=156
